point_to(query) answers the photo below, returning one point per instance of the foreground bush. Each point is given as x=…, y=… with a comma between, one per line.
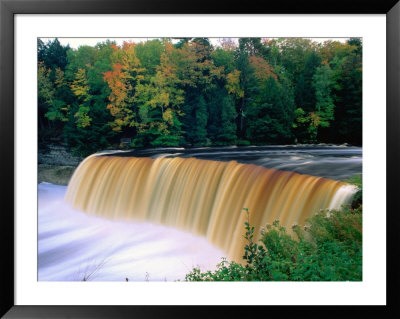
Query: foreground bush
x=356, y=181
x=329, y=248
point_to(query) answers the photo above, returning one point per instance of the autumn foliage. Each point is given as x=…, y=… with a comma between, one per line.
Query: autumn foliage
x=193, y=91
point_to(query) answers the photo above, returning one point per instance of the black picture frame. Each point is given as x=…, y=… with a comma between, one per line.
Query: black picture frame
x=8, y=8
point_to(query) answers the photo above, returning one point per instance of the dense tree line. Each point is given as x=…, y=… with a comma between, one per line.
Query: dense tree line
x=191, y=93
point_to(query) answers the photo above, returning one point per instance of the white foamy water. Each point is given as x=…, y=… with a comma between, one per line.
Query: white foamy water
x=73, y=245
x=343, y=195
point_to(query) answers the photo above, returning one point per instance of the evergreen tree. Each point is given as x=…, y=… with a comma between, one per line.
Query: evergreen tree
x=248, y=87
x=200, y=108
x=54, y=96
x=262, y=91
x=91, y=99
x=324, y=107
x=222, y=116
x=53, y=54
x=227, y=131
x=46, y=93
x=269, y=117
x=347, y=94
x=305, y=92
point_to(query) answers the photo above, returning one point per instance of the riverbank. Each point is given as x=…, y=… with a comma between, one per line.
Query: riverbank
x=57, y=155
x=55, y=174
x=56, y=164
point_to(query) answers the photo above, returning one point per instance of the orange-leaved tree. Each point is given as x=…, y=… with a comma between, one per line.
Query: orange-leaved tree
x=123, y=80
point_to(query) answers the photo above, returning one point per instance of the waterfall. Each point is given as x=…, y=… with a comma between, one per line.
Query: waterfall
x=203, y=197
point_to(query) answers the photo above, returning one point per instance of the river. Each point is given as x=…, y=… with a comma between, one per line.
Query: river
x=337, y=162
x=75, y=246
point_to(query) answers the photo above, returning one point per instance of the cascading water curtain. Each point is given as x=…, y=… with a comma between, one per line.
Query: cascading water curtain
x=201, y=196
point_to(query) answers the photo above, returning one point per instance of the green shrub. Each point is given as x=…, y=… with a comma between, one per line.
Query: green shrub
x=357, y=181
x=329, y=248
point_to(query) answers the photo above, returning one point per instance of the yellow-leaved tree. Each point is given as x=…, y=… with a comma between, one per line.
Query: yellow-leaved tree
x=159, y=104
x=81, y=89
x=123, y=81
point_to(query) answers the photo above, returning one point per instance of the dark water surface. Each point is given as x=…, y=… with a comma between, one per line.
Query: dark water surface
x=337, y=162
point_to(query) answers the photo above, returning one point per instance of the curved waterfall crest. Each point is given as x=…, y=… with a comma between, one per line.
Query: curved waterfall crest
x=201, y=196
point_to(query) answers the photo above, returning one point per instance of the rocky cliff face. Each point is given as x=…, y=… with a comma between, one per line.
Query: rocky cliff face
x=57, y=155
x=56, y=164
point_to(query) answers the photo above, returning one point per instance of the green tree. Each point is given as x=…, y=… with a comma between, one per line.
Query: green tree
x=54, y=95
x=149, y=54
x=291, y=54
x=227, y=129
x=253, y=47
x=324, y=107
x=46, y=92
x=200, y=109
x=81, y=89
x=224, y=58
x=159, y=105
x=347, y=96
x=159, y=93
x=59, y=105
x=87, y=129
x=247, y=88
x=305, y=92
x=269, y=119
x=53, y=54
x=198, y=75
x=81, y=58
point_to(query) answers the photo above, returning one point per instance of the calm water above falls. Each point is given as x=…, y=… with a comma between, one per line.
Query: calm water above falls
x=337, y=162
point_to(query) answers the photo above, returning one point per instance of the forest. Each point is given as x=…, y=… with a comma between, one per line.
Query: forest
x=191, y=92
